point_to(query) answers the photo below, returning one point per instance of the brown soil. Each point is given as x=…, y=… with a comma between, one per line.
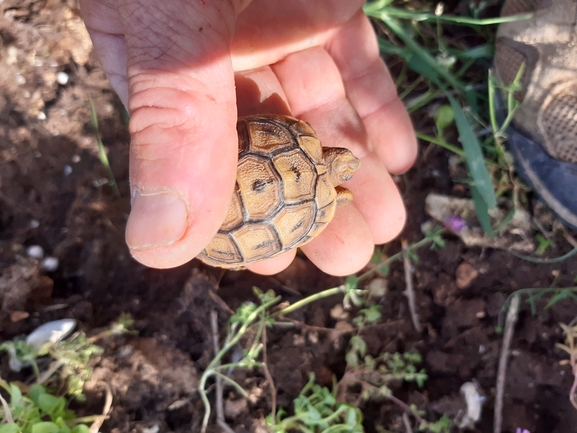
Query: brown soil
x=54, y=193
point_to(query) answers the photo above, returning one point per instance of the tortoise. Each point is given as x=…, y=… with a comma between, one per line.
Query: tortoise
x=286, y=191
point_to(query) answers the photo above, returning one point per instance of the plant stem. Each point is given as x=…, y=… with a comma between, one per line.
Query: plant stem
x=309, y=299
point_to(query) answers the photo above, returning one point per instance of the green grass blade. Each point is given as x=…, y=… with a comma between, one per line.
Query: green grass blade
x=482, y=211
x=474, y=155
x=440, y=142
x=433, y=67
x=373, y=10
x=102, y=155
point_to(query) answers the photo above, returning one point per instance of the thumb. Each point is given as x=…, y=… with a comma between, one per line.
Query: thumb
x=182, y=123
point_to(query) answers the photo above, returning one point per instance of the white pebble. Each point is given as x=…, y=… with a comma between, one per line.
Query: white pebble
x=35, y=251
x=34, y=224
x=62, y=78
x=67, y=170
x=20, y=79
x=41, y=115
x=50, y=264
x=50, y=333
x=97, y=183
x=76, y=159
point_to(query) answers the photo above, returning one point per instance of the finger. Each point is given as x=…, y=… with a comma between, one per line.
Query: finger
x=372, y=93
x=267, y=30
x=183, y=116
x=317, y=95
x=102, y=22
x=258, y=91
x=321, y=100
x=274, y=265
x=345, y=246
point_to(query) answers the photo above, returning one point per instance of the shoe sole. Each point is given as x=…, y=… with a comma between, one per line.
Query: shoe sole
x=544, y=175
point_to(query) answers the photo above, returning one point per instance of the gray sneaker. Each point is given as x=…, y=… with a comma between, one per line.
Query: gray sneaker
x=543, y=134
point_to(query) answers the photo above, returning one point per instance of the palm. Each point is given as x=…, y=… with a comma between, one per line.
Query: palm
x=315, y=60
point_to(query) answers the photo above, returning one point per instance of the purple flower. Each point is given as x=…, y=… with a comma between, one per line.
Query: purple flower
x=456, y=224
x=522, y=431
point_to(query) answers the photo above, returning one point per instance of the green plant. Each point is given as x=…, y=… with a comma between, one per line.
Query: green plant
x=246, y=315
x=316, y=409
x=250, y=316
x=102, y=155
x=445, y=68
x=37, y=411
x=570, y=347
x=21, y=354
x=374, y=375
x=533, y=295
x=72, y=358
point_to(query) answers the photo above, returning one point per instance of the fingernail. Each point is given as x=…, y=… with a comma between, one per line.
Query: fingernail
x=156, y=220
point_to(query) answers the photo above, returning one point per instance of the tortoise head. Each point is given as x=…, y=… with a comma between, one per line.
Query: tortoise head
x=341, y=164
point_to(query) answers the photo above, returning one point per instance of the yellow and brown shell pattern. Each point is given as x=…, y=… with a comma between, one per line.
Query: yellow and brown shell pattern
x=283, y=197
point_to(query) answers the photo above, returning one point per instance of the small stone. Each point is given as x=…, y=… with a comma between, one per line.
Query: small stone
x=180, y=412
x=17, y=316
x=465, y=275
x=50, y=333
x=378, y=288
x=62, y=78
x=34, y=224
x=343, y=326
x=35, y=251
x=76, y=159
x=50, y=264
x=67, y=170
x=338, y=313
x=233, y=408
x=41, y=115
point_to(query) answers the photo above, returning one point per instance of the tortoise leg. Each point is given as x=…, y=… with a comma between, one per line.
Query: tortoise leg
x=343, y=195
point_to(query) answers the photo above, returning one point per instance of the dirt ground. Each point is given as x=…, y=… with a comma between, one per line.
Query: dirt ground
x=54, y=193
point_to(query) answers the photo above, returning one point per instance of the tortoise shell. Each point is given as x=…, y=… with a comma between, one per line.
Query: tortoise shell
x=285, y=194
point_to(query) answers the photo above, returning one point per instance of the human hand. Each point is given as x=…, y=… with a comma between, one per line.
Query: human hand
x=175, y=63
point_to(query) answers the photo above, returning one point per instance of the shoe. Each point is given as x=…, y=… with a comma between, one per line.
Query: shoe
x=543, y=135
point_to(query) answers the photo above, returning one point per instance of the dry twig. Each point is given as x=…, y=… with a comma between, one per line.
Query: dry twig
x=267, y=374
x=409, y=291
x=502, y=373
x=407, y=423
x=95, y=426
x=571, y=335
x=219, y=402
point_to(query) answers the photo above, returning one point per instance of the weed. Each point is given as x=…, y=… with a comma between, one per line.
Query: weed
x=534, y=295
x=37, y=411
x=570, y=347
x=316, y=409
x=72, y=358
x=444, y=66
x=102, y=155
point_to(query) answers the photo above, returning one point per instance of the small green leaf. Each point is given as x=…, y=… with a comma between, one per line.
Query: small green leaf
x=482, y=211
x=444, y=117
x=351, y=283
x=352, y=417
x=81, y=428
x=15, y=395
x=35, y=392
x=50, y=404
x=474, y=155
x=45, y=427
x=9, y=428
